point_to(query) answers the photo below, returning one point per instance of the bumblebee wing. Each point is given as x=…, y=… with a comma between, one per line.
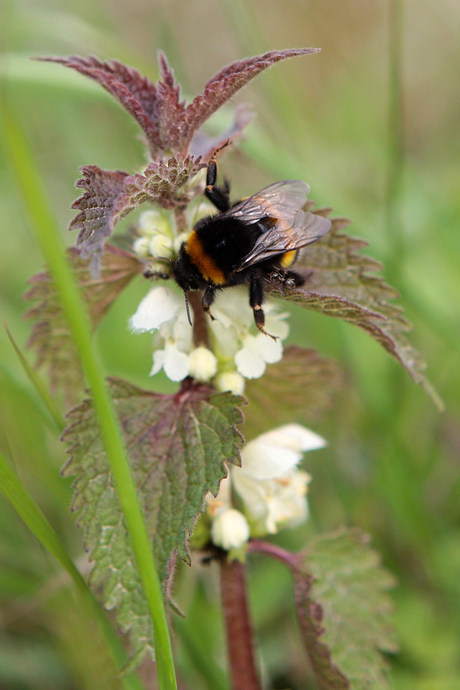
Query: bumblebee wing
x=287, y=235
x=281, y=200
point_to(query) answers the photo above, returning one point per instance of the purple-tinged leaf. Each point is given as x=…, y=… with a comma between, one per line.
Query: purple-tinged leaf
x=162, y=183
x=135, y=93
x=325, y=675
x=111, y=195
x=169, y=126
x=344, y=610
x=177, y=446
x=96, y=218
x=303, y=380
x=351, y=587
x=221, y=87
x=169, y=107
x=50, y=336
x=339, y=283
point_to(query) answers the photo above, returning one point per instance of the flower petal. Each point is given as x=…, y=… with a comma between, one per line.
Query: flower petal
x=271, y=504
x=294, y=436
x=176, y=364
x=264, y=461
x=276, y=452
x=158, y=361
x=270, y=350
x=248, y=360
x=157, y=307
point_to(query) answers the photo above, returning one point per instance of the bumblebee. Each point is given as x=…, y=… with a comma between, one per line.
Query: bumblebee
x=248, y=242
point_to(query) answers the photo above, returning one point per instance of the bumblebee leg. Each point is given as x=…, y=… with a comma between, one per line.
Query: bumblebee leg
x=256, y=298
x=219, y=196
x=208, y=299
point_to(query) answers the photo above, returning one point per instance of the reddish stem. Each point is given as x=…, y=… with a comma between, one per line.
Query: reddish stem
x=292, y=560
x=238, y=626
x=200, y=323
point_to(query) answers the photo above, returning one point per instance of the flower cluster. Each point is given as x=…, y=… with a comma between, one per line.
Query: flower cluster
x=270, y=491
x=237, y=349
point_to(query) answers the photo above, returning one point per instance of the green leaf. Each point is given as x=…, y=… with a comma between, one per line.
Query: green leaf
x=177, y=445
x=326, y=673
x=351, y=587
x=303, y=380
x=51, y=336
x=341, y=282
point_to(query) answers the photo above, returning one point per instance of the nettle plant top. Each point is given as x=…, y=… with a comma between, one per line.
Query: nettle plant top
x=239, y=263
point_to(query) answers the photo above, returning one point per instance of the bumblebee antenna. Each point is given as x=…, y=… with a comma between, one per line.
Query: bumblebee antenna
x=187, y=308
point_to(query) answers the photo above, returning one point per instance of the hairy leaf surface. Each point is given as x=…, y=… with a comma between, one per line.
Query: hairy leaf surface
x=110, y=196
x=177, y=446
x=327, y=675
x=50, y=336
x=351, y=587
x=340, y=282
x=135, y=93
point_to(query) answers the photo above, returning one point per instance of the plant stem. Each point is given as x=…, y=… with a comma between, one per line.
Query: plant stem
x=292, y=560
x=200, y=320
x=238, y=626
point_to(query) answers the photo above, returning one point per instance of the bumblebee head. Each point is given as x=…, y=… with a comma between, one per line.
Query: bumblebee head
x=185, y=273
x=186, y=276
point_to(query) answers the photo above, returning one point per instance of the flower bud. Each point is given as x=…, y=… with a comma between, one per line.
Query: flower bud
x=230, y=529
x=154, y=222
x=230, y=381
x=141, y=246
x=161, y=245
x=202, y=364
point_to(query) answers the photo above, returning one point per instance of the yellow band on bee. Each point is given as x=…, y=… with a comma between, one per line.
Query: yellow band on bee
x=203, y=261
x=288, y=259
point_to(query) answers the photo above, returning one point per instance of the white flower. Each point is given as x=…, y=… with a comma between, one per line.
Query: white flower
x=158, y=306
x=273, y=491
x=172, y=360
x=179, y=240
x=202, y=364
x=230, y=529
x=257, y=351
x=232, y=341
x=157, y=235
x=234, y=353
x=174, y=357
x=271, y=504
x=278, y=451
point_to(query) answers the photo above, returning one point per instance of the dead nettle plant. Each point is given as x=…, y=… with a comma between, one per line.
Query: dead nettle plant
x=199, y=485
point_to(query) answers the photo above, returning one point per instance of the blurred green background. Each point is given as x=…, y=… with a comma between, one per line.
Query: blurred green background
x=372, y=124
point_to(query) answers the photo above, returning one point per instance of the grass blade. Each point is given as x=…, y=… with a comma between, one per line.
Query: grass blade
x=51, y=243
